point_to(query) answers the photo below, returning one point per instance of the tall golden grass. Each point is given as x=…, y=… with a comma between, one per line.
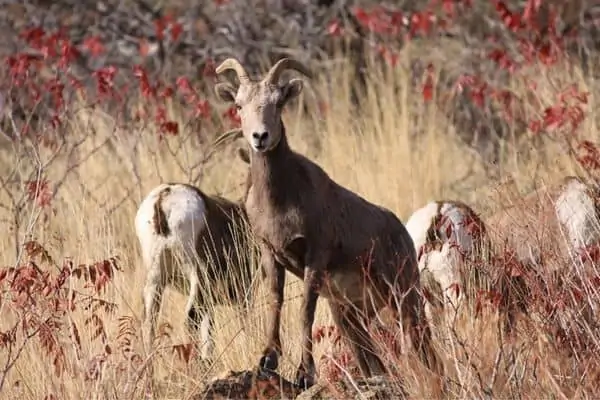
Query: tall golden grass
x=399, y=152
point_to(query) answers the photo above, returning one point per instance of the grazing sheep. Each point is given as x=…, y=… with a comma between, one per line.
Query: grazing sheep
x=200, y=245
x=544, y=231
x=357, y=255
x=448, y=236
x=536, y=225
x=577, y=210
x=455, y=247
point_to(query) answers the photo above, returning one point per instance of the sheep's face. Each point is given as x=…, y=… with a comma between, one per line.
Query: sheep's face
x=260, y=103
x=259, y=106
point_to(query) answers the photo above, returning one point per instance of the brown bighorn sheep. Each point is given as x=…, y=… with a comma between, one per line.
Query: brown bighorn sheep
x=199, y=244
x=448, y=235
x=357, y=255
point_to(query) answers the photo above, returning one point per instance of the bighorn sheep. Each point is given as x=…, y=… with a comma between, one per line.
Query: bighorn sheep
x=202, y=246
x=447, y=234
x=357, y=255
x=536, y=225
x=444, y=232
x=545, y=230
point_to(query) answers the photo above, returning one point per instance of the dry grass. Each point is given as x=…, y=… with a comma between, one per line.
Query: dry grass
x=399, y=152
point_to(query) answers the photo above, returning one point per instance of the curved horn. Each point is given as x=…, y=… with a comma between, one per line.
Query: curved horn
x=235, y=133
x=283, y=64
x=232, y=63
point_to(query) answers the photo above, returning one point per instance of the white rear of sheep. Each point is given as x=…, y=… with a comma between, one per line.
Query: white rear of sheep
x=546, y=228
x=551, y=223
x=200, y=245
x=577, y=210
x=446, y=233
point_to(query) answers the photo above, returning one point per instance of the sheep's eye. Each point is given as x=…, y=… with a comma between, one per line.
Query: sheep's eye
x=238, y=107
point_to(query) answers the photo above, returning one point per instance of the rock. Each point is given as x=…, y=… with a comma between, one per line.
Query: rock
x=253, y=384
x=270, y=385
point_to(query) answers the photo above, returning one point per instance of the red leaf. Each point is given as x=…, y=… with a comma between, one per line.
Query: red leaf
x=209, y=69
x=455, y=287
x=144, y=47
x=449, y=8
x=531, y=10
x=184, y=351
x=232, y=116
x=428, y=85
x=334, y=28
x=510, y=19
x=33, y=36
x=93, y=45
x=166, y=92
x=170, y=127
x=159, y=28
x=202, y=109
x=176, y=30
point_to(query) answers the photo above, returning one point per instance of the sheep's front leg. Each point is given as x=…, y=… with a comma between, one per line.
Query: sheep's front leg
x=276, y=278
x=305, y=375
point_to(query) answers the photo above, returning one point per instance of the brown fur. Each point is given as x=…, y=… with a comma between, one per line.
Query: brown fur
x=357, y=255
x=332, y=232
x=226, y=243
x=245, y=157
x=160, y=219
x=217, y=244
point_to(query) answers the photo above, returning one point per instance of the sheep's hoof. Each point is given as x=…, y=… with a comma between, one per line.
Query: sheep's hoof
x=269, y=361
x=303, y=380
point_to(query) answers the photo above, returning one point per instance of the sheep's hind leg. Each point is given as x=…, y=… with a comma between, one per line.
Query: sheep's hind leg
x=152, y=298
x=353, y=327
x=417, y=326
x=199, y=318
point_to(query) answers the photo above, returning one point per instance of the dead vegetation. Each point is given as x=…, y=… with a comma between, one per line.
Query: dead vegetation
x=83, y=144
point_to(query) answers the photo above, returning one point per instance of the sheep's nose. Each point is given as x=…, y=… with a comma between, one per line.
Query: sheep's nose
x=260, y=136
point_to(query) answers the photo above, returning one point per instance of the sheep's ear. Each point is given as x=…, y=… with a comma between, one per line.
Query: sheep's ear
x=244, y=156
x=225, y=92
x=292, y=89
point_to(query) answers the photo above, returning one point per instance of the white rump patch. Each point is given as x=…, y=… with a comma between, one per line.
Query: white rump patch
x=185, y=215
x=419, y=222
x=576, y=213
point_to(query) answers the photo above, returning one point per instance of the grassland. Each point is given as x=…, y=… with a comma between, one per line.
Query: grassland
x=399, y=151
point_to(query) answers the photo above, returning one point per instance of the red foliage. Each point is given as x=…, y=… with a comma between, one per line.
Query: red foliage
x=39, y=191
x=208, y=71
x=512, y=20
x=567, y=112
x=161, y=25
x=232, y=116
x=146, y=88
x=379, y=20
x=428, y=86
x=94, y=46
x=42, y=298
x=335, y=28
x=588, y=155
x=39, y=293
